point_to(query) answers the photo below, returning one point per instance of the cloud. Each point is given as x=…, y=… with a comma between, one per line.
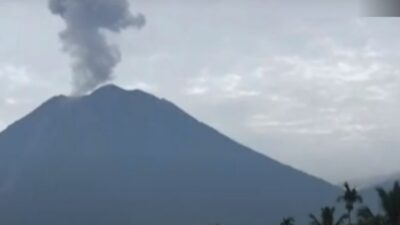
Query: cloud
x=343, y=93
x=331, y=92
x=227, y=86
x=141, y=86
x=13, y=76
x=84, y=40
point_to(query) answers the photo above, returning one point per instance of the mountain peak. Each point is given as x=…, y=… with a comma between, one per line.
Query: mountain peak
x=112, y=89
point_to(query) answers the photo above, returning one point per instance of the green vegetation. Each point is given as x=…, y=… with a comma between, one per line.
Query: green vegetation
x=327, y=217
x=390, y=204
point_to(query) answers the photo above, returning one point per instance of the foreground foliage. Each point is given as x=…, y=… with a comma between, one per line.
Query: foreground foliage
x=390, y=204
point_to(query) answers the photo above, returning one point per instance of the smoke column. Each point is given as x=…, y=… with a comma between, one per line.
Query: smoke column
x=93, y=58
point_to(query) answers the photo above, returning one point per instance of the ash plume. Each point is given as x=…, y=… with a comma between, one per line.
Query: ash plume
x=83, y=39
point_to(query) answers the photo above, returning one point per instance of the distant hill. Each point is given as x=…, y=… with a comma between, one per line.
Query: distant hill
x=118, y=157
x=370, y=194
x=371, y=182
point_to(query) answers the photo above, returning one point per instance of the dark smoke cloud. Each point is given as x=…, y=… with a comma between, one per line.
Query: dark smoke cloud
x=94, y=59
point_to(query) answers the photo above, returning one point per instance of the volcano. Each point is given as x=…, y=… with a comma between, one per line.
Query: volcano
x=118, y=157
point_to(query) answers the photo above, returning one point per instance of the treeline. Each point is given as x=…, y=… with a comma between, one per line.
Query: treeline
x=356, y=213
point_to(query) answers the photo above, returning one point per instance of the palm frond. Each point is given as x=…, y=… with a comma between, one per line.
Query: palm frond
x=341, y=219
x=364, y=213
x=314, y=220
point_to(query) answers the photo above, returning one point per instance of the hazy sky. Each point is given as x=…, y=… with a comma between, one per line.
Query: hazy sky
x=313, y=86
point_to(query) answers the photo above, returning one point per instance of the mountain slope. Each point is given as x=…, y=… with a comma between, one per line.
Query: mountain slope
x=127, y=157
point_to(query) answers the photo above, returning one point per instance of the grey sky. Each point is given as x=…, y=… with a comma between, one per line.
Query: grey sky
x=309, y=85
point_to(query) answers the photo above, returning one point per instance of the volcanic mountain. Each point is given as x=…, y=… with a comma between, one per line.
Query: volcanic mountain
x=118, y=157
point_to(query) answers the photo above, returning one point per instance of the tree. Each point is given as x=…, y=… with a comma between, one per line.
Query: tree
x=349, y=197
x=366, y=217
x=288, y=221
x=327, y=217
x=390, y=202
